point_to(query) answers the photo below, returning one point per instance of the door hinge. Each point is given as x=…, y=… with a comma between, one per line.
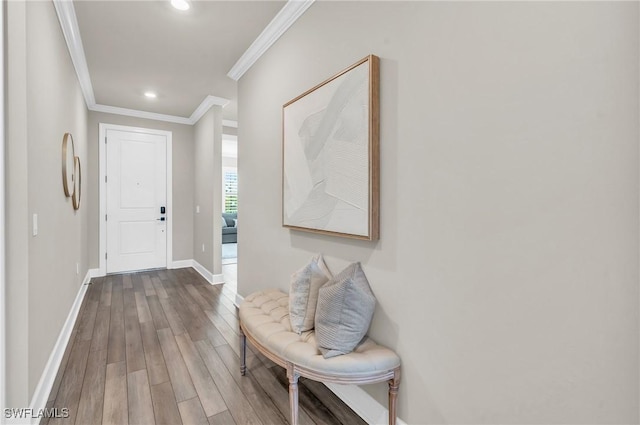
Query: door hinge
x=105, y=217
x=105, y=139
x=105, y=255
x=105, y=179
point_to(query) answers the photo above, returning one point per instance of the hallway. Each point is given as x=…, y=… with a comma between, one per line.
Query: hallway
x=161, y=347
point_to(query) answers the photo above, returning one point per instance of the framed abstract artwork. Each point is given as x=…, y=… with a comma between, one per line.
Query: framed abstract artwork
x=331, y=163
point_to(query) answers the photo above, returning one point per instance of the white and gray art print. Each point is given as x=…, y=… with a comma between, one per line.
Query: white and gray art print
x=326, y=156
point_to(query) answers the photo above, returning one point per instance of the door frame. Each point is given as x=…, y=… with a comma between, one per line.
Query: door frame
x=102, y=134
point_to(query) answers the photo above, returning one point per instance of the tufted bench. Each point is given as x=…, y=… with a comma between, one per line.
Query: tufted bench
x=264, y=320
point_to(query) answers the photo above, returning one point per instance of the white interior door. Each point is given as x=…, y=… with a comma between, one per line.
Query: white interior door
x=136, y=184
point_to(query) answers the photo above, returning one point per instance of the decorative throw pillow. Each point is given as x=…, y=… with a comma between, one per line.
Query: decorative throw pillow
x=303, y=293
x=224, y=222
x=345, y=309
x=235, y=222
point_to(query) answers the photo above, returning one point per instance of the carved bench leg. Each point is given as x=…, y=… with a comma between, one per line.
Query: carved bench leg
x=293, y=394
x=393, y=397
x=243, y=353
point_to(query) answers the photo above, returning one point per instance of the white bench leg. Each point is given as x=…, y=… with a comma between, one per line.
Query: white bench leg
x=243, y=353
x=293, y=394
x=393, y=397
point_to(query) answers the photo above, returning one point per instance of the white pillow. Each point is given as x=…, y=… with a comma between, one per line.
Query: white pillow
x=303, y=293
x=235, y=222
x=224, y=222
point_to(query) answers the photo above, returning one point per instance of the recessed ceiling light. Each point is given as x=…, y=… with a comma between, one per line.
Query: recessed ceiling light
x=150, y=94
x=180, y=4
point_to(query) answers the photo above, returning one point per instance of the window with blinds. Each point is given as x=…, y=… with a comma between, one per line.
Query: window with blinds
x=231, y=191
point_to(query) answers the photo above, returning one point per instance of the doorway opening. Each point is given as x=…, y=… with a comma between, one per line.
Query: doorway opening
x=229, y=220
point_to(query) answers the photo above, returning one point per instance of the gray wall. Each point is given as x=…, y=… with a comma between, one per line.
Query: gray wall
x=507, y=268
x=207, y=190
x=44, y=101
x=183, y=179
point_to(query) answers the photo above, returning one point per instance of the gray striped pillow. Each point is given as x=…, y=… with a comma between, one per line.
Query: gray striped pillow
x=345, y=309
x=303, y=293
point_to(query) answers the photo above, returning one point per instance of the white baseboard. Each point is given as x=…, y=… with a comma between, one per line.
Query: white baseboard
x=181, y=264
x=363, y=404
x=203, y=271
x=213, y=279
x=94, y=273
x=43, y=389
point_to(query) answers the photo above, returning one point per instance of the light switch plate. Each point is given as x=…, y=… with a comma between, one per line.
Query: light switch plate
x=35, y=225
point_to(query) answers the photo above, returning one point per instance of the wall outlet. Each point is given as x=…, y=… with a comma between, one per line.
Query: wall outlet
x=202, y=247
x=197, y=209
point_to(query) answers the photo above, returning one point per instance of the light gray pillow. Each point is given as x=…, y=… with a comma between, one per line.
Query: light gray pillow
x=224, y=222
x=345, y=308
x=303, y=293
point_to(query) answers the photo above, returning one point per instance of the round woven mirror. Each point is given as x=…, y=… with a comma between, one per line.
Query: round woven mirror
x=68, y=164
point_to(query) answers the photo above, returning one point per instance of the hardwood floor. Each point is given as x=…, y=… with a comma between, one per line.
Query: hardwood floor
x=162, y=347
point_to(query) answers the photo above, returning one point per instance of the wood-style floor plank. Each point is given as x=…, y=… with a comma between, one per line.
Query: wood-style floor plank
x=156, y=366
x=87, y=321
x=105, y=297
x=258, y=398
x=174, y=319
x=71, y=385
x=165, y=407
x=157, y=314
x=336, y=406
x=278, y=394
x=233, y=396
x=139, y=397
x=126, y=282
x=144, y=314
x=116, y=407
x=159, y=287
x=92, y=397
x=307, y=401
x=63, y=367
x=147, y=285
x=100, y=340
x=223, y=418
x=178, y=373
x=208, y=392
x=192, y=413
x=117, y=347
x=133, y=338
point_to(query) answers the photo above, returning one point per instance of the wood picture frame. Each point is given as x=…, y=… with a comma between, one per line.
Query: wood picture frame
x=330, y=155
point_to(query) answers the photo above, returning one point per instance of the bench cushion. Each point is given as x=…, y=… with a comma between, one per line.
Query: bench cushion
x=265, y=316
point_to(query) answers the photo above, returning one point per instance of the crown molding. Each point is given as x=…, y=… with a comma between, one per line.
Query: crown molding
x=206, y=104
x=289, y=14
x=140, y=114
x=69, y=23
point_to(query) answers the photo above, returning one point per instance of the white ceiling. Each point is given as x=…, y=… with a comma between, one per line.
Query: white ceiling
x=135, y=46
